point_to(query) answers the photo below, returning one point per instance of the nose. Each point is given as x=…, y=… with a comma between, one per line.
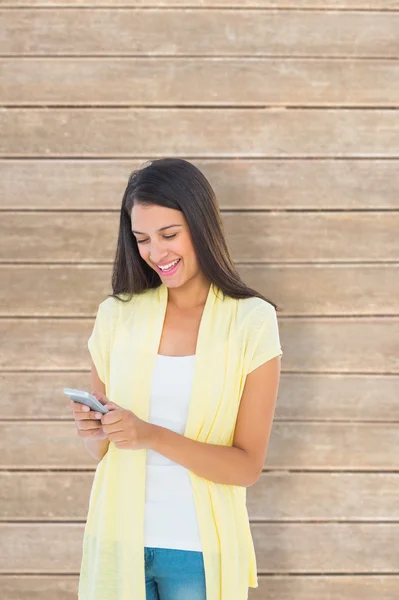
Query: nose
x=156, y=254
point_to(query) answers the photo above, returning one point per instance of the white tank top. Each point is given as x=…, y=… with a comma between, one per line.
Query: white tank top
x=170, y=513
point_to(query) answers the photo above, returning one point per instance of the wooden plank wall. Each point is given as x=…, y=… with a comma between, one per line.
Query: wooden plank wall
x=290, y=107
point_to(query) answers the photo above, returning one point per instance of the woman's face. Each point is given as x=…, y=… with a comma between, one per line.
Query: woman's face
x=162, y=247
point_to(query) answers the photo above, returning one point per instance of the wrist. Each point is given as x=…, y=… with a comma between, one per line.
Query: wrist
x=97, y=448
x=153, y=433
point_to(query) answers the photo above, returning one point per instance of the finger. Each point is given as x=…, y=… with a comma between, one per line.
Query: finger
x=84, y=416
x=112, y=406
x=123, y=445
x=74, y=405
x=88, y=425
x=113, y=428
x=117, y=436
x=112, y=417
x=88, y=433
x=100, y=397
x=78, y=406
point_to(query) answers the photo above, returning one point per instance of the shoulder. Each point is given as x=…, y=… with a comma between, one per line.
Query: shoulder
x=255, y=311
x=113, y=311
x=109, y=306
x=109, y=311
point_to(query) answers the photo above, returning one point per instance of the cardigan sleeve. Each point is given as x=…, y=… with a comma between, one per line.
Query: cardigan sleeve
x=99, y=342
x=264, y=336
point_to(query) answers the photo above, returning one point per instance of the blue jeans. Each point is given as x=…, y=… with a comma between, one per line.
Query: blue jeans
x=174, y=574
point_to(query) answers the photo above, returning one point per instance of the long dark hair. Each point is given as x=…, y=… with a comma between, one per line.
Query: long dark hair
x=178, y=184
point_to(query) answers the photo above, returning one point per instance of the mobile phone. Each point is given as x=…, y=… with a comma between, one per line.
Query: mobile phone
x=87, y=399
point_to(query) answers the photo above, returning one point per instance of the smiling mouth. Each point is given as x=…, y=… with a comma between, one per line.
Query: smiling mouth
x=171, y=270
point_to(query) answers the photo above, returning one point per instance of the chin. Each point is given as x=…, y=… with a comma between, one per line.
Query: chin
x=173, y=284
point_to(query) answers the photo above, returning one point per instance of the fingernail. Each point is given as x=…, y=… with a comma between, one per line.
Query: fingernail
x=86, y=408
x=98, y=416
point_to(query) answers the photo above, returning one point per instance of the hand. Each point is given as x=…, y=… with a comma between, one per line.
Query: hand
x=125, y=429
x=88, y=422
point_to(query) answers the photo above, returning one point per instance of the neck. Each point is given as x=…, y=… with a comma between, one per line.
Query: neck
x=189, y=296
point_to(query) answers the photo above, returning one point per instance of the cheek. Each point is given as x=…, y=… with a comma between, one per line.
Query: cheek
x=145, y=255
x=184, y=248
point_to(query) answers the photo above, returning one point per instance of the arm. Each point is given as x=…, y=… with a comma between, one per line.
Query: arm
x=221, y=464
x=97, y=448
x=240, y=464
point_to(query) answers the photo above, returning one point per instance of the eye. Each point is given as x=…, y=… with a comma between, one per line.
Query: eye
x=167, y=237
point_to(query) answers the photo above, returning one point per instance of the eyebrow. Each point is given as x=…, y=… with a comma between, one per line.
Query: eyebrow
x=161, y=229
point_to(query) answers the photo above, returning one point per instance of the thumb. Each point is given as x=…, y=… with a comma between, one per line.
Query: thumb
x=112, y=405
x=100, y=397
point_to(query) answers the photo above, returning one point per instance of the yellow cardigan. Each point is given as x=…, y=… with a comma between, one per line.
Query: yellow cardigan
x=235, y=336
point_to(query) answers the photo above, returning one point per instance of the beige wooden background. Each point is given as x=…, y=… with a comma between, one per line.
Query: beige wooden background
x=291, y=109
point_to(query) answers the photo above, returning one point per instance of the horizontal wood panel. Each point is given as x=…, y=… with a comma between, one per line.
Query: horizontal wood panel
x=272, y=587
x=46, y=587
x=251, y=236
x=312, y=290
x=42, y=548
x=282, y=496
x=46, y=445
x=340, y=397
x=206, y=132
x=238, y=183
x=265, y=4
x=44, y=496
x=276, y=496
x=281, y=548
x=309, y=344
x=39, y=395
x=342, y=446
x=302, y=396
x=330, y=548
x=200, y=32
x=168, y=81
x=293, y=445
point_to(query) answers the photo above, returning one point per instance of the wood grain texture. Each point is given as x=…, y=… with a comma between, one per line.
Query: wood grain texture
x=47, y=445
x=281, y=547
x=216, y=32
x=42, y=496
x=298, y=290
x=203, y=132
x=300, y=587
x=239, y=183
x=246, y=4
x=338, y=397
x=184, y=82
x=293, y=445
x=310, y=345
x=285, y=106
x=252, y=237
x=306, y=396
x=314, y=587
x=37, y=587
x=282, y=496
x=325, y=547
x=276, y=496
x=262, y=4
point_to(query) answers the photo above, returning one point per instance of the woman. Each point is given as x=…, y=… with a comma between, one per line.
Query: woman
x=187, y=359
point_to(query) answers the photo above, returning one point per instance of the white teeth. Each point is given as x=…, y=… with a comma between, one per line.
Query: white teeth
x=166, y=267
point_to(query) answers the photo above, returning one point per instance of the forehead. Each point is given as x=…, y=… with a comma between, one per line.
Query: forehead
x=150, y=218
